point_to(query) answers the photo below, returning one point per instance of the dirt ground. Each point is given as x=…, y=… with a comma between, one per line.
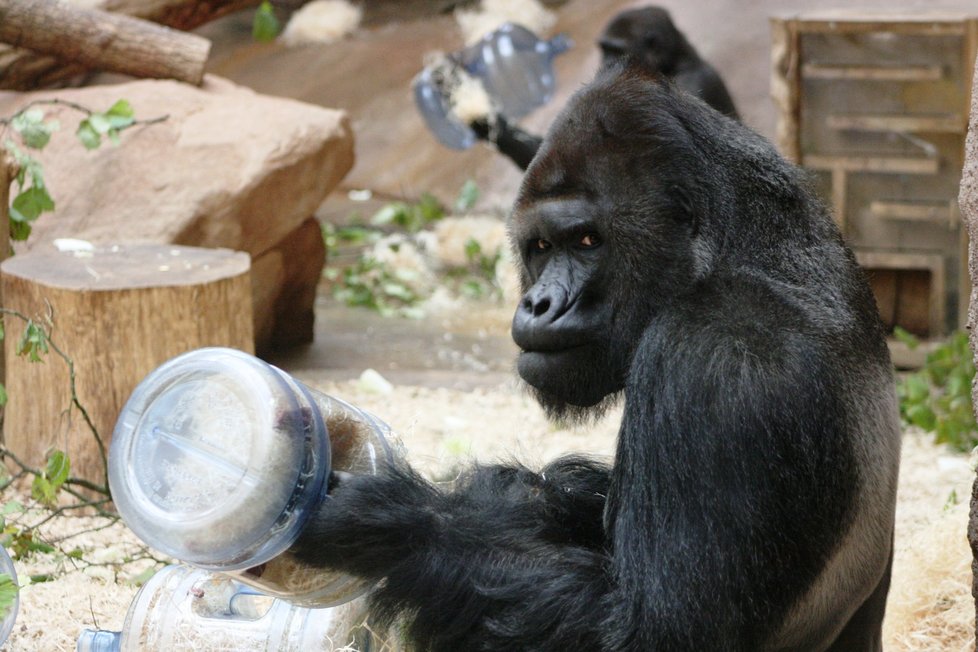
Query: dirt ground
x=444, y=427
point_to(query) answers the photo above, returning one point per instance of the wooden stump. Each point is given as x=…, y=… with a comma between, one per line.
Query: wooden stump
x=118, y=312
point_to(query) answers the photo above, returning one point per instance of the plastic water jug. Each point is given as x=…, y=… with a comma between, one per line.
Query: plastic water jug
x=515, y=68
x=183, y=608
x=7, y=568
x=218, y=459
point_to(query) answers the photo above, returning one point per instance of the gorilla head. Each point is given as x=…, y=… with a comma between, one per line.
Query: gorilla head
x=603, y=242
x=648, y=36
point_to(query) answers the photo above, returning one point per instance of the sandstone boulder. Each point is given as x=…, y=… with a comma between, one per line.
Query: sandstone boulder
x=228, y=168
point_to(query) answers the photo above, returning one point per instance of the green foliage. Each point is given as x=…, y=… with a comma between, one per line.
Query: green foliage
x=410, y=216
x=8, y=594
x=91, y=130
x=369, y=283
x=338, y=237
x=467, y=196
x=379, y=286
x=478, y=280
x=938, y=397
x=33, y=342
x=45, y=485
x=265, y=26
x=34, y=131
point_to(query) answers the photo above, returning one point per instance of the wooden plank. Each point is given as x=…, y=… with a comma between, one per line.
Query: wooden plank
x=949, y=123
x=785, y=86
x=912, y=211
x=933, y=263
x=872, y=73
x=856, y=21
x=881, y=164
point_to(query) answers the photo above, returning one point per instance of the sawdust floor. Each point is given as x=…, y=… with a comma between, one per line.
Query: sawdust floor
x=444, y=427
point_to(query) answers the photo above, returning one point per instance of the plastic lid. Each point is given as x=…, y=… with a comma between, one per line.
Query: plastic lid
x=216, y=459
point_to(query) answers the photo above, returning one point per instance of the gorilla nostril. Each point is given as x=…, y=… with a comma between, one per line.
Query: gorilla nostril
x=541, y=307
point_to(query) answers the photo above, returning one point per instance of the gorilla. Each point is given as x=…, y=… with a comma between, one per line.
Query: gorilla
x=647, y=36
x=672, y=258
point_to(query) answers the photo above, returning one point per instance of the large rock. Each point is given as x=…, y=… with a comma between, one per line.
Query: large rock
x=227, y=168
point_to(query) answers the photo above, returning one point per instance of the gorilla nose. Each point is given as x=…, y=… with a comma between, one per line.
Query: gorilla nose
x=536, y=307
x=537, y=324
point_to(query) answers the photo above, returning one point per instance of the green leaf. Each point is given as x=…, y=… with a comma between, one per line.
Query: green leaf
x=265, y=26
x=120, y=115
x=467, y=196
x=8, y=594
x=430, y=208
x=20, y=229
x=88, y=135
x=58, y=468
x=472, y=249
x=32, y=129
x=393, y=213
x=915, y=388
x=42, y=490
x=3, y=395
x=906, y=337
x=12, y=507
x=143, y=577
x=41, y=578
x=30, y=203
x=922, y=416
x=33, y=342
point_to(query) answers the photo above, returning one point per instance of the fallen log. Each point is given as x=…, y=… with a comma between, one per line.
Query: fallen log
x=97, y=39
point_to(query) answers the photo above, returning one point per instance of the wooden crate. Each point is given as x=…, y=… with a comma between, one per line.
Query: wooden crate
x=876, y=106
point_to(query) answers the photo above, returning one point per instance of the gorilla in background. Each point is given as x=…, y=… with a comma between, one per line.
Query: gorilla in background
x=668, y=254
x=647, y=36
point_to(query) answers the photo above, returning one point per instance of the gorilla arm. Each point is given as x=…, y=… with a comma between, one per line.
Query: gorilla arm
x=733, y=479
x=513, y=142
x=510, y=559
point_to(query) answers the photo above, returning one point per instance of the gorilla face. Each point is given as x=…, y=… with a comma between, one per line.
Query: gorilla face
x=604, y=230
x=562, y=321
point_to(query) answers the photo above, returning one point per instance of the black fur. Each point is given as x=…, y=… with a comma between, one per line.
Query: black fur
x=669, y=256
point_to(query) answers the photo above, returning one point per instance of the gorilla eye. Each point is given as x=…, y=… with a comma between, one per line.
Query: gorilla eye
x=541, y=245
x=589, y=240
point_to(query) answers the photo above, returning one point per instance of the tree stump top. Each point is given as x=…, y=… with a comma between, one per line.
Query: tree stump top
x=122, y=266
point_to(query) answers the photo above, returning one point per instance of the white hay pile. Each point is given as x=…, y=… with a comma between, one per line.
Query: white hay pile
x=930, y=605
x=452, y=234
x=321, y=21
x=493, y=13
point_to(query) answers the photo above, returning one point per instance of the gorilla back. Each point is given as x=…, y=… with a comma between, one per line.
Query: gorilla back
x=671, y=253
x=670, y=256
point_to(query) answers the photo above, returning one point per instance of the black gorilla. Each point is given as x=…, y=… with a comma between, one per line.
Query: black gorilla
x=648, y=37
x=669, y=254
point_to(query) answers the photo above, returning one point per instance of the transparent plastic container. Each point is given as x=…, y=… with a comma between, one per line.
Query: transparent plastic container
x=183, y=608
x=7, y=568
x=218, y=459
x=515, y=67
